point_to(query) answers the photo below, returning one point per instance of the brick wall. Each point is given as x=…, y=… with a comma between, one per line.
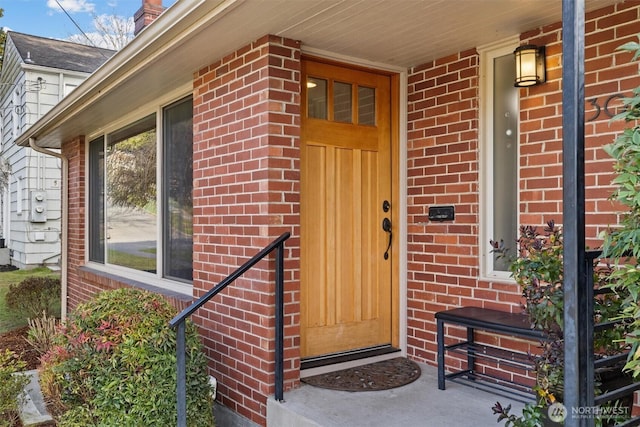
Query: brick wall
x=246, y=184
x=74, y=151
x=442, y=169
x=608, y=76
x=443, y=164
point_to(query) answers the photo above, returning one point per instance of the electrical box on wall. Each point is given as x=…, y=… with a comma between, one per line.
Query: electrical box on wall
x=38, y=206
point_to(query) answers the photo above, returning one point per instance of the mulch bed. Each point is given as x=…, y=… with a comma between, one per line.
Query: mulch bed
x=15, y=341
x=375, y=376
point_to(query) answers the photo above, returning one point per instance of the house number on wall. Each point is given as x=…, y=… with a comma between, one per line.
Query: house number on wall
x=605, y=107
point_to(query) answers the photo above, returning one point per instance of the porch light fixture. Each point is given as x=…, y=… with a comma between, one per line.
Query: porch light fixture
x=530, y=65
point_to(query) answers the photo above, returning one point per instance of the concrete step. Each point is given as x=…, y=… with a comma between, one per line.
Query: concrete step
x=419, y=404
x=33, y=411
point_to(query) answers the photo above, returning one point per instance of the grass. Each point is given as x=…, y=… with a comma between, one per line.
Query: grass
x=8, y=319
x=131, y=261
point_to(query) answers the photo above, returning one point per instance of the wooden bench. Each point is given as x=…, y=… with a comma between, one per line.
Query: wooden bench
x=476, y=318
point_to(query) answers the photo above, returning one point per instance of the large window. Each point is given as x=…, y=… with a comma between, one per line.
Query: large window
x=499, y=165
x=140, y=205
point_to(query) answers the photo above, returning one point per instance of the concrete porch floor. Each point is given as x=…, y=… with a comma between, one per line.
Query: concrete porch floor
x=419, y=404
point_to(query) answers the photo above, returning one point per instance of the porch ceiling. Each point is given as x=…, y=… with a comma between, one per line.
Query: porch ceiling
x=194, y=33
x=411, y=32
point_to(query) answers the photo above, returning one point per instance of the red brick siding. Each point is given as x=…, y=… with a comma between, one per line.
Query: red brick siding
x=442, y=169
x=246, y=184
x=74, y=151
x=443, y=163
x=607, y=73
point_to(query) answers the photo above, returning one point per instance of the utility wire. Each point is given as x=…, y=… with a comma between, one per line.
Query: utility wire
x=78, y=27
x=76, y=24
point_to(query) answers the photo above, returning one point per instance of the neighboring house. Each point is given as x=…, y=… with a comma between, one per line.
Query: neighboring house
x=37, y=74
x=257, y=118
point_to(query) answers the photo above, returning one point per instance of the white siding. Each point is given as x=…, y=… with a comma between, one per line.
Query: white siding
x=26, y=94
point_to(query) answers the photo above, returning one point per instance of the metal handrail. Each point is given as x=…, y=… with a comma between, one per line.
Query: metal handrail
x=179, y=322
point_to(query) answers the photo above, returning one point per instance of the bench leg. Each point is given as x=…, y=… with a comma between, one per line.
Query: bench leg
x=440, y=338
x=471, y=357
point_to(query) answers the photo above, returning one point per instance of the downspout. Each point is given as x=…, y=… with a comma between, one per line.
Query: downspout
x=64, y=216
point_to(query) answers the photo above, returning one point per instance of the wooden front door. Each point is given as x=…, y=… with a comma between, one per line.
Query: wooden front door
x=346, y=194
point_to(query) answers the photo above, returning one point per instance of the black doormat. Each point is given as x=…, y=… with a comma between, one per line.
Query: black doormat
x=383, y=375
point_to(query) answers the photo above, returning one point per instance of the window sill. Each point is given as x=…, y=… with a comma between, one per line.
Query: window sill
x=500, y=277
x=168, y=288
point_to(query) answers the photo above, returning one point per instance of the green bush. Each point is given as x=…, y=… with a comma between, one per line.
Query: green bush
x=35, y=295
x=621, y=243
x=11, y=385
x=113, y=364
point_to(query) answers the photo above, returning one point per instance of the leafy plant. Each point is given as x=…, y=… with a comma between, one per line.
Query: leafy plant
x=114, y=363
x=12, y=383
x=41, y=332
x=34, y=295
x=622, y=244
x=538, y=269
x=531, y=415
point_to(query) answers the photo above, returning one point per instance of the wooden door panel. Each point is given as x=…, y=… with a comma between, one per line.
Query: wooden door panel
x=315, y=249
x=345, y=175
x=343, y=135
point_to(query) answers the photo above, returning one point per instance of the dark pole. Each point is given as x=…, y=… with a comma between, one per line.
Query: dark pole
x=279, y=392
x=578, y=375
x=181, y=374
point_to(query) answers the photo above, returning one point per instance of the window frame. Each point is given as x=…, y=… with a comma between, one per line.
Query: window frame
x=164, y=195
x=486, y=132
x=156, y=279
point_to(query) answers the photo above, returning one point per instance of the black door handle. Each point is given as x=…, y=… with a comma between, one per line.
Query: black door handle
x=386, y=226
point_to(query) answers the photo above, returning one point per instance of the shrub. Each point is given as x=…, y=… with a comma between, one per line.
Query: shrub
x=621, y=242
x=539, y=271
x=114, y=363
x=34, y=295
x=41, y=332
x=11, y=385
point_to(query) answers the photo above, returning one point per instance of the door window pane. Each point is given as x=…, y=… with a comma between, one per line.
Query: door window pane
x=131, y=196
x=316, y=98
x=366, y=106
x=178, y=187
x=342, y=102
